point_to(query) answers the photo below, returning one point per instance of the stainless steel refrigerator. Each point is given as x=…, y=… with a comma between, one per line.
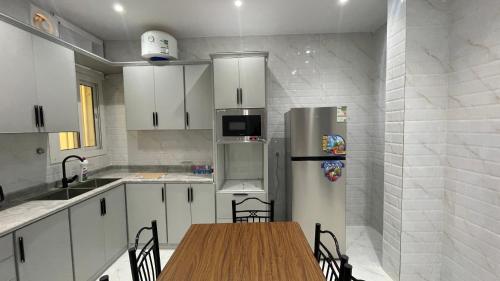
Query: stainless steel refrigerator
x=316, y=169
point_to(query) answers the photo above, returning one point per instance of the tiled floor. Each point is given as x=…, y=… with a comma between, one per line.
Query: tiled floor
x=364, y=248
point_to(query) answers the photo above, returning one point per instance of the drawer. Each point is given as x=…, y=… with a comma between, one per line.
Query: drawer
x=224, y=208
x=6, y=247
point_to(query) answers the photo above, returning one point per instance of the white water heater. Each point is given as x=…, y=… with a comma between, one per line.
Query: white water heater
x=158, y=45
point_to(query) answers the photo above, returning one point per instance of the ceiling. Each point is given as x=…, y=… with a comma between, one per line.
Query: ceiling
x=207, y=18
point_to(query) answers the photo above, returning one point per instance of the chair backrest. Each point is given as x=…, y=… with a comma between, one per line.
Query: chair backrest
x=266, y=214
x=335, y=266
x=145, y=265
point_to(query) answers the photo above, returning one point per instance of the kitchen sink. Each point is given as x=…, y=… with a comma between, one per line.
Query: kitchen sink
x=63, y=194
x=74, y=190
x=92, y=183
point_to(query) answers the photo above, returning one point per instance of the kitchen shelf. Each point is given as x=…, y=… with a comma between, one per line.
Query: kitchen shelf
x=244, y=186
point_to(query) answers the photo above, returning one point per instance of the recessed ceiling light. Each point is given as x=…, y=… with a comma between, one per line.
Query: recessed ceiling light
x=238, y=3
x=343, y=2
x=118, y=8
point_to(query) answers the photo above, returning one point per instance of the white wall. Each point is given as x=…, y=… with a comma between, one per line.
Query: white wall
x=471, y=249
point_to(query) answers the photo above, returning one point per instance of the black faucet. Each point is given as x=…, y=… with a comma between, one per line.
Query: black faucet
x=66, y=181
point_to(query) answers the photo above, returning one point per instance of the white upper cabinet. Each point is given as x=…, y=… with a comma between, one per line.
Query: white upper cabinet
x=56, y=86
x=17, y=77
x=240, y=82
x=199, y=96
x=139, y=86
x=226, y=83
x=38, y=78
x=169, y=97
x=253, y=82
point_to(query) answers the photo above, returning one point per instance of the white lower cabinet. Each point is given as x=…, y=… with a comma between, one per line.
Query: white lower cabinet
x=44, y=249
x=7, y=262
x=98, y=228
x=146, y=202
x=188, y=204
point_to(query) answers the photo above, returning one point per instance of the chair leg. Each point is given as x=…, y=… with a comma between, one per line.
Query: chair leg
x=347, y=272
x=317, y=234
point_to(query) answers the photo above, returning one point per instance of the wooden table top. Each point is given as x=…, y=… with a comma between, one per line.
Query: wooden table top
x=243, y=252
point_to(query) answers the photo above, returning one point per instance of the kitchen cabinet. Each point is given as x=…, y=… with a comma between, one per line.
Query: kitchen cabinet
x=199, y=96
x=38, y=81
x=169, y=97
x=154, y=97
x=44, y=249
x=98, y=228
x=56, y=86
x=240, y=82
x=188, y=204
x=146, y=202
x=138, y=82
x=17, y=77
x=7, y=262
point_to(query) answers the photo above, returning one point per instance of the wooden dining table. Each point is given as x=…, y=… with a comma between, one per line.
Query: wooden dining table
x=243, y=252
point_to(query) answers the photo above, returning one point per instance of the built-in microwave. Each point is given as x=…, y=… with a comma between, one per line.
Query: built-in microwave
x=241, y=125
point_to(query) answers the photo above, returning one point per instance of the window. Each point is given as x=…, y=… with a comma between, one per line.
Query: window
x=87, y=141
x=89, y=118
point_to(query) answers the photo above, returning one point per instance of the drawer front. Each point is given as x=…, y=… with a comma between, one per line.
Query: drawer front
x=224, y=208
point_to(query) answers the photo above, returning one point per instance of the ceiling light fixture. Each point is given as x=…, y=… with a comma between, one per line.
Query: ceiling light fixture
x=238, y=3
x=343, y=2
x=118, y=8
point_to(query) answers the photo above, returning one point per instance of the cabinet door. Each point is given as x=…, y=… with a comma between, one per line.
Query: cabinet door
x=203, y=203
x=17, y=78
x=56, y=85
x=87, y=236
x=115, y=223
x=145, y=202
x=253, y=82
x=199, y=97
x=138, y=83
x=178, y=212
x=226, y=83
x=7, y=263
x=169, y=96
x=47, y=250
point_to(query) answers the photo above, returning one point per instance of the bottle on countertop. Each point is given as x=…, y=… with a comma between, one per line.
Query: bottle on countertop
x=84, y=169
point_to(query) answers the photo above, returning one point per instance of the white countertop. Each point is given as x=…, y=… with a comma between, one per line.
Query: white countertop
x=19, y=216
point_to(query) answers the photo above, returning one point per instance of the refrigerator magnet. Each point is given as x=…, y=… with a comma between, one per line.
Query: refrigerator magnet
x=332, y=169
x=333, y=144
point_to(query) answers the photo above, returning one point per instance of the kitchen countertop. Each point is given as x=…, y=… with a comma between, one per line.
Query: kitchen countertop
x=19, y=216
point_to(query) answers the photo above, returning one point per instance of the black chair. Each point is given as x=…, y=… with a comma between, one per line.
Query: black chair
x=335, y=267
x=250, y=215
x=145, y=266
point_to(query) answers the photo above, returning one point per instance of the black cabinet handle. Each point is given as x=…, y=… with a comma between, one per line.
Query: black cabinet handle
x=187, y=119
x=37, y=118
x=241, y=96
x=157, y=123
x=237, y=95
x=2, y=196
x=192, y=194
x=21, y=250
x=102, y=206
x=105, y=207
x=42, y=117
x=189, y=195
x=154, y=120
x=163, y=194
x=240, y=194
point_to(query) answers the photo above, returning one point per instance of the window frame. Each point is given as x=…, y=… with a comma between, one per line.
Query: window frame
x=94, y=79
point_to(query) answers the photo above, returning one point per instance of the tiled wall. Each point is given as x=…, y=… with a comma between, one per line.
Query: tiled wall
x=176, y=147
x=427, y=56
x=394, y=131
x=319, y=70
x=471, y=248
